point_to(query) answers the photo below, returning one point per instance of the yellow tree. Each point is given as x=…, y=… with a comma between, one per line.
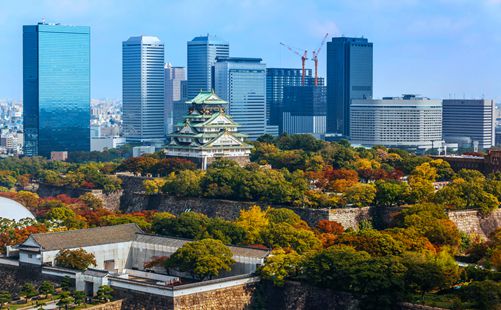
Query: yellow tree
x=254, y=221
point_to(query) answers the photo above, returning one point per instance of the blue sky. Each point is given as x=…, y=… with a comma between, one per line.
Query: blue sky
x=436, y=48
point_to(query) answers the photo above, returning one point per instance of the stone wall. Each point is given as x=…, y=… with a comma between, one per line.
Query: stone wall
x=233, y=298
x=350, y=217
x=114, y=305
x=111, y=201
x=472, y=222
x=301, y=296
x=133, y=300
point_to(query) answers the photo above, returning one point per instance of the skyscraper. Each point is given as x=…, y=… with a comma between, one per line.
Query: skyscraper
x=202, y=53
x=56, y=88
x=349, y=76
x=242, y=82
x=468, y=122
x=304, y=109
x=276, y=80
x=174, y=76
x=143, y=90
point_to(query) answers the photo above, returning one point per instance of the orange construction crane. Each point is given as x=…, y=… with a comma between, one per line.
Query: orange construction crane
x=315, y=57
x=304, y=57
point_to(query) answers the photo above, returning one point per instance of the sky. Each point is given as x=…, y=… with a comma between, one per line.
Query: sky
x=435, y=48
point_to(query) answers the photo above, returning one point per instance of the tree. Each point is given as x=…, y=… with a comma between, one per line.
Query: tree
x=78, y=259
x=46, y=288
x=28, y=290
x=373, y=242
x=284, y=235
x=66, y=283
x=360, y=195
x=226, y=231
x=484, y=294
x=421, y=190
x=104, y=294
x=154, y=186
x=187, y=225
x=283, y=215
x=65, y=299
x=281, y=265
x=391, y=193
x=202, y=259
x=79, y=297
x=253, y=221
x=91, y=201
x=5, y=297
x=184, y=183
x=426, y=273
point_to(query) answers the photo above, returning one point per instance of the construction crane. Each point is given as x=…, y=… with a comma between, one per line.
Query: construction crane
x=304, y=57
x=315, y=58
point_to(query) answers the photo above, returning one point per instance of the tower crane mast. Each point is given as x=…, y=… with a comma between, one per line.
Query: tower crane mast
x=315, y=58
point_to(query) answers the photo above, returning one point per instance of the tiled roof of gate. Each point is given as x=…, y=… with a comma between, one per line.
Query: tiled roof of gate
x=86, y=237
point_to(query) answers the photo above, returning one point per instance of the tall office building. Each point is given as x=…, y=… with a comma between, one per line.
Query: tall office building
x=242, y=82
x=143, y=90
x=174, y=77
x=56, y=88
x=276, y=80
x=202, y=53
x=408, y=122
x=349, y=76
x=304, y=110
x=469, y=122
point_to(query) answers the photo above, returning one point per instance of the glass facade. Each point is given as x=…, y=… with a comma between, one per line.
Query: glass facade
x=202, y=54
x=242, y=82
x=305, y=109
x=143, y=90
x=56, y=88
x=349, y=76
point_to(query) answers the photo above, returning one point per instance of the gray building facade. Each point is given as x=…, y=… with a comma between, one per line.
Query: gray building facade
x=469, y=121
x=202, y=53
x=143, y=90
x=305, y=110
x=174, y=80
x=349, y=76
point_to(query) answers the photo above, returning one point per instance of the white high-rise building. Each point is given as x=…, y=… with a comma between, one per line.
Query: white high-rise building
x=409, y=122
x=173, y=92
x=143, y=90
x=468, y=122
x=242, y=82
x=202, y=54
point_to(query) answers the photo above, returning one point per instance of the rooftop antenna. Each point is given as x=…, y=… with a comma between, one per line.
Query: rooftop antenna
x=43, y=20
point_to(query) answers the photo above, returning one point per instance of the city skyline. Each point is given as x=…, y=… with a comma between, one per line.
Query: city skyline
x=435, y=50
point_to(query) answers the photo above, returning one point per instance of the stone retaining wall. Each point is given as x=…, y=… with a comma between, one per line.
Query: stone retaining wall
x=114, y=305
x=472, y=222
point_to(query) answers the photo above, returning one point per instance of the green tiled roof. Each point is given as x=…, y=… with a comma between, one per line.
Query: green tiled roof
x=207, y=97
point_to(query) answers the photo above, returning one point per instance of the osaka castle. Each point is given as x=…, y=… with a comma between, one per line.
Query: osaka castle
x=208, y=133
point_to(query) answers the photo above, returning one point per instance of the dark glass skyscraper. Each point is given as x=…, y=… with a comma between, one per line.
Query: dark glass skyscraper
x=304, y=109
x=276, y=80
x=56, y=88
x=349, y=76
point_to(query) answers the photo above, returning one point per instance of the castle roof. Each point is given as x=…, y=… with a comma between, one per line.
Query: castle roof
x=207, y=97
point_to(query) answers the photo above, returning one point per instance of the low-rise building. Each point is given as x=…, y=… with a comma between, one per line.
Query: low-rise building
x=409, y=122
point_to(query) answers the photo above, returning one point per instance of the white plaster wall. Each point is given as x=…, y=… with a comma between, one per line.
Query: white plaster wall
x=119, y=252
x=35, y=259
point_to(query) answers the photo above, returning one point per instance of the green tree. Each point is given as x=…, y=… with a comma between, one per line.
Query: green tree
x=104, y=294
x=202, y=259
x=187, y=225
x=360, y=195
x=391, y=193
x=28, y=290
x=280, y=266
x=78, y=259
x=66, y=283
x=184, y=183
x=427, y=273
x=226, y=231
x=46, y=288
x=373, y=242
x=79, y=297
x=483, y=294
x=284, y=235
x=65, y=300
x=91, y=201
x=5, y=297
